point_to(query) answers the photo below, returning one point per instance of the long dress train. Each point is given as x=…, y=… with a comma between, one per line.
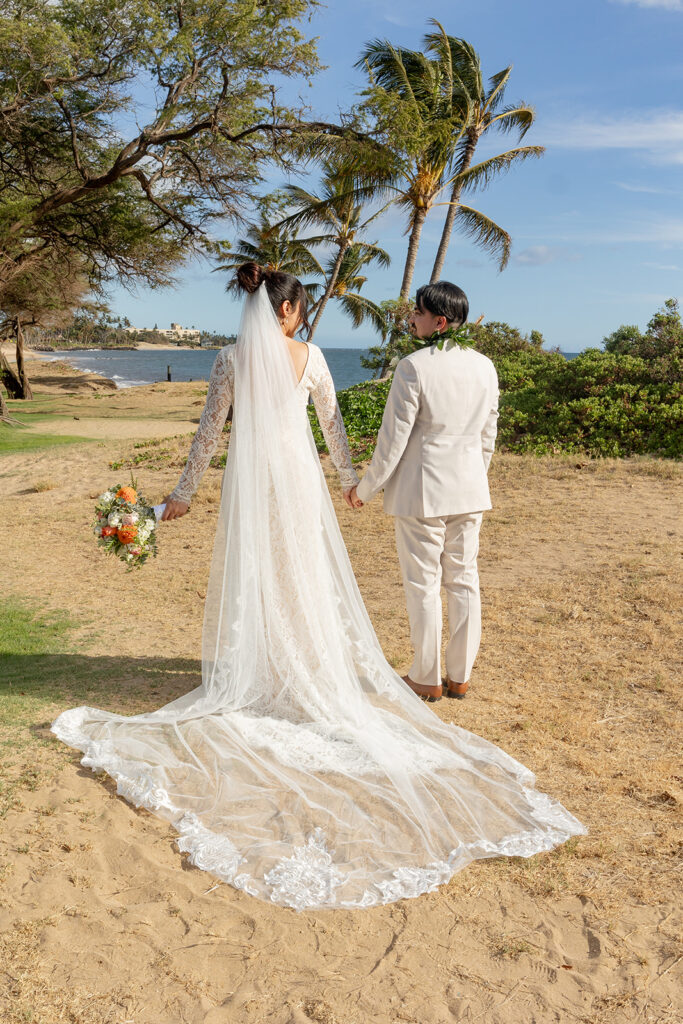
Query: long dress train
x=303, y=770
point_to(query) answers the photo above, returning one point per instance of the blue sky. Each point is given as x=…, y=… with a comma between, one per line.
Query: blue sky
x=597, y=223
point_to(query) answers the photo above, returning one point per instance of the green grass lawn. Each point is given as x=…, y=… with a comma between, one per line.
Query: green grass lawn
x=16, y=440
x=43, y=671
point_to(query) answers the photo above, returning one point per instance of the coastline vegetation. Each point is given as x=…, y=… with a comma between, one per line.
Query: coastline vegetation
x=625, y=400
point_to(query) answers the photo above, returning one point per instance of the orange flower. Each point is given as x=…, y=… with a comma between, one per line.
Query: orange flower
x=127, y=534
x=108, y=531
x=127, y=494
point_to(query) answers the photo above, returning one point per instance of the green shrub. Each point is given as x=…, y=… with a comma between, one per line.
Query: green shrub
x=627, y=400
x=362, y=407
x=599, y=403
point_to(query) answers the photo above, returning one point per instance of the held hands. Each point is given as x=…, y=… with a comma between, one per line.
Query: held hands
x=174, y=509
x=352, y=499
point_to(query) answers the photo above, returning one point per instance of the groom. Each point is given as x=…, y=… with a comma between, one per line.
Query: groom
x=432, y=457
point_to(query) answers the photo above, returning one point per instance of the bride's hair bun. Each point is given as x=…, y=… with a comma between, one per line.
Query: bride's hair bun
x=249, y=277
x=280, y=286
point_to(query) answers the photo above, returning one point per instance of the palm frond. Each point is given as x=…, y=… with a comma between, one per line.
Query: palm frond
x=461, y=57
x=269, y=250
x=360, y=309
x=336, y=209
x=313, y=240
x=443, y=51
x=374, y=252
x=300, y=196
x=497, y=85
x=315, y=213
x=480, y=175
x=517, y=117
x=388, y=65
x=382, y=209
x=485, y=233
x=317, y=146
x=312, y=289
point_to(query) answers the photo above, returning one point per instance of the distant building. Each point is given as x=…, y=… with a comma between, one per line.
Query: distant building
x=174, y=333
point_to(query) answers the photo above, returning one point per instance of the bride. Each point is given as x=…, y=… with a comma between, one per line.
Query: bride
x=303, y=770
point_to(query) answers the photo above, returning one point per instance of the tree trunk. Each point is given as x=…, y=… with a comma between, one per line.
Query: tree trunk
x=408, y=272
x=4, y=411
x=21, y=369
x=9, y=378
x=452, y=210
x=413, y=246
x=330, y=287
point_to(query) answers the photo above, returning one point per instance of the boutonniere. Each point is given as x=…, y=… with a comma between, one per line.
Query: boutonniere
x=448, y=338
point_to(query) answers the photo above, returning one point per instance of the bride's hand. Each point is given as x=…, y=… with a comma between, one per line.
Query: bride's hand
x=174, y=509
x=352, y=499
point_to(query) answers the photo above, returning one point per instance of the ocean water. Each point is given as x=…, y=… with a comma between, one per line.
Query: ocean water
x=145, y=366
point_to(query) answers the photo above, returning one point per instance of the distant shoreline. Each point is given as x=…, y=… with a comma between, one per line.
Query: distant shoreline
x=144, y=346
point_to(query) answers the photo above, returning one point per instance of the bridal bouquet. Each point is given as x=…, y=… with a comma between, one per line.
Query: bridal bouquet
x=126, y=525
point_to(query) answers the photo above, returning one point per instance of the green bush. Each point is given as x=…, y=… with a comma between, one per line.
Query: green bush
x=627, y=400
x=598, y=403
x=361, y=407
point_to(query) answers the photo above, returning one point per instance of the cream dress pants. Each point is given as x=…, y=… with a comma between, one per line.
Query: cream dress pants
x=431, y=551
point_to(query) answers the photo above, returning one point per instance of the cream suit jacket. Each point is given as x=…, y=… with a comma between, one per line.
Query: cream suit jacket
x=437, y=435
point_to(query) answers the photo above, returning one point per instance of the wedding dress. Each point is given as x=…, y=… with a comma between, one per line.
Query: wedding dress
x=303, y=770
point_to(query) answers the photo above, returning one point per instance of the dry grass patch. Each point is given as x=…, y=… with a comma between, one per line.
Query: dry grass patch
x=39, y=486
x=576, y=678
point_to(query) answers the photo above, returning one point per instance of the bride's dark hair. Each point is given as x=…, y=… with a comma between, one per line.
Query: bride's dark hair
x=281, y=288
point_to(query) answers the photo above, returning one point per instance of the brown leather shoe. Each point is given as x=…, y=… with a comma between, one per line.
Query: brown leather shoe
x=428, y=693
x=457, y=690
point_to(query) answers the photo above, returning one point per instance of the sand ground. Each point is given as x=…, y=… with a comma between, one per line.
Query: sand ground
x=102, y=921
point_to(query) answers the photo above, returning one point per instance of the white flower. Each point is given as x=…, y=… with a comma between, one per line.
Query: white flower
x=114, y=519
x=106, y=497
x=130, y=519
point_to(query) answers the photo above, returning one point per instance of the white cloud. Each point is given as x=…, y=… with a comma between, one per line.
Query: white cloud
x=649, y=189
x=659, y=133
x=540, y=255
x=664, y=266
x=395, y=19
x=666, y=5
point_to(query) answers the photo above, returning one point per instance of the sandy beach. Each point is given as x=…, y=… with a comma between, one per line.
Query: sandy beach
x=103, y=921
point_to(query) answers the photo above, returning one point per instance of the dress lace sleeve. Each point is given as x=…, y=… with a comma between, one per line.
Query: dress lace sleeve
x=330, y=419
x=218, y=401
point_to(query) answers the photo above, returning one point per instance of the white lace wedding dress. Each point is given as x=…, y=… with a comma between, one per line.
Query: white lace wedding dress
x=303, y=770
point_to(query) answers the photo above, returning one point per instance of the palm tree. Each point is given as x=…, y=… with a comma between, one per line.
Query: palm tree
x=461, y=68
x=349, y=282
x=436, y=112
x=339, y=210
x=425, y=128
x=271, y=246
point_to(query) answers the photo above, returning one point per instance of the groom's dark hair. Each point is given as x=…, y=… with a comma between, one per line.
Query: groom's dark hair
x=443, y=299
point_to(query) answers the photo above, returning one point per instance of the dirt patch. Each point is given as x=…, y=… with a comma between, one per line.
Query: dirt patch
x=103, y=920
